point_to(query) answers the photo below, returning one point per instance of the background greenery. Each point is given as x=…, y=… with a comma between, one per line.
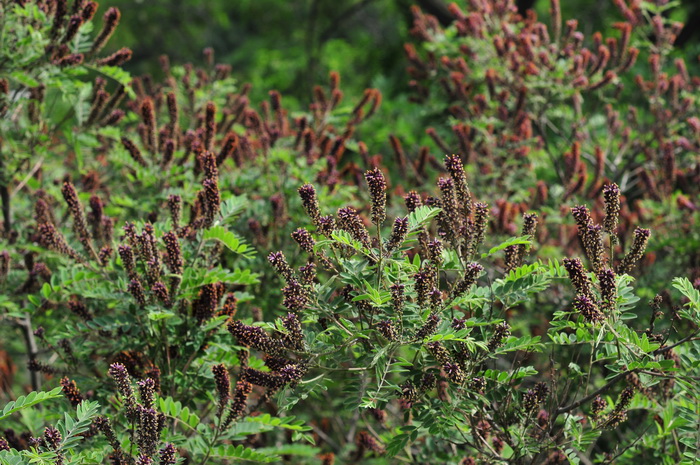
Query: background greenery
x=86, y=314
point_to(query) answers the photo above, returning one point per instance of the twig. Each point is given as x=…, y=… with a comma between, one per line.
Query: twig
x=685, y=339
x=6, y=209
x=573, y=405
x=26, y=324
x=29, y=176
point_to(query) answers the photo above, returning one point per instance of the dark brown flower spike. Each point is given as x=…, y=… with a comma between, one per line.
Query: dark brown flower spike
x=639, y=245
x=377, y=190
x=110, y=20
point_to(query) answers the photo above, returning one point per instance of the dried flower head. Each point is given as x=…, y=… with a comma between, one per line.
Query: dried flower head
x=598, y=406
x=398, y=234
x=238, y=404
x=377, y=190
x=294, y=337
x=120, y=375
x=611, y=196
x=295, y=296
x=309, y=200
x=255, y=337
x=429, y=327
x=578, y=276
x=608, y=289
x=387, y=329
x=136, y=290
x=148, y=431
x=71, y=391
x=501, y=332
x=398, y=298
x=413, y=201
x=167, y=455
x=304, y=239
x=588, y=309
x=639, y=245
x=471, y=274
x=223, y=386
x=50, y=238
x=349, y=220
x=454, y=166
x=109, y=24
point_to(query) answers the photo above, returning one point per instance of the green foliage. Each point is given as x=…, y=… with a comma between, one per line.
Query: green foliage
x=141, y=216
x=29, y=400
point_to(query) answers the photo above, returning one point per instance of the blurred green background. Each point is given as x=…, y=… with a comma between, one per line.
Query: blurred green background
x=290, y=45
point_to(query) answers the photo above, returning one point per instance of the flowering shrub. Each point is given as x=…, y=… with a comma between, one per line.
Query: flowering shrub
x=517, y=96
x=148, y=222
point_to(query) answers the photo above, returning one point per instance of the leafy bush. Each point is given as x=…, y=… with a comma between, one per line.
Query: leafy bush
x=180, y=292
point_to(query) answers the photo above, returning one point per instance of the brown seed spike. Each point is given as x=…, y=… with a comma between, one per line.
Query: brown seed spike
x=377, y=189
x=148, y=115
x=89, y=11
x=611, y=195
x=209, y=125
x=454, y=166
x=639, y=245
x=79, y=221
x=110, y=20
x=118, y=58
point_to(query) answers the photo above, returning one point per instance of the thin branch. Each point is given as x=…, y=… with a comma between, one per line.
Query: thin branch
x=6, y=209
x=27, y=178
x=32, y=350
x=591, y=396
x=685, y=339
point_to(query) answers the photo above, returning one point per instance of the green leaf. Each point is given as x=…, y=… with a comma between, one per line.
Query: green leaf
x=29, y=400
x=345, y=238
x=229, y=239
x=524, y=240
x=160, y=315
x=244, y=453
x=174, y=409
x=421, y=217
x=688, y=290
x=46, y=290
x=303, y=450
x=286, y=423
